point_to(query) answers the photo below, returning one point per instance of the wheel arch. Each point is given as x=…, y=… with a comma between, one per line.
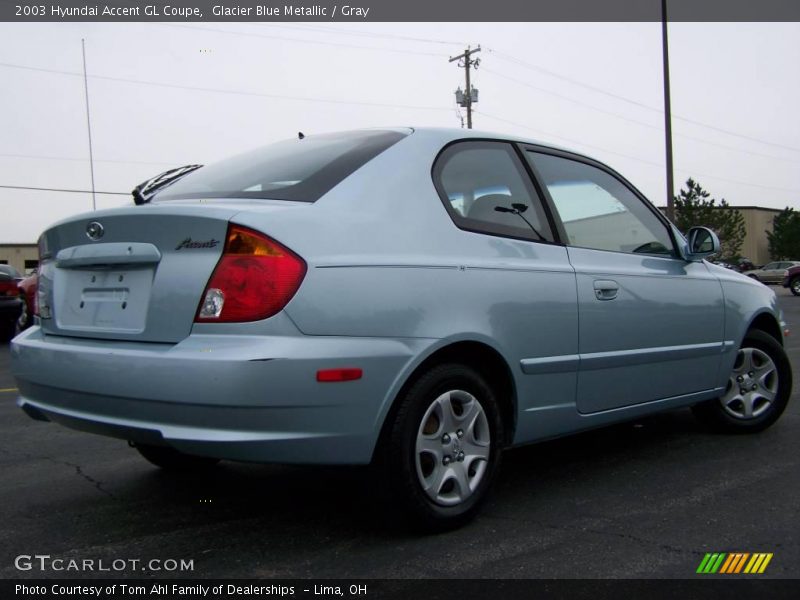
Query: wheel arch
x=767, y=323
x=479, y=355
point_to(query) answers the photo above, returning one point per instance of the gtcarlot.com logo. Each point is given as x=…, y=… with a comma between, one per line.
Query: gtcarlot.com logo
x=46, y=562
x=732, y=563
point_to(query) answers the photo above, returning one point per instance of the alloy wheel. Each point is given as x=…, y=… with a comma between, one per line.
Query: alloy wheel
x=753, y=385
x=452, y=449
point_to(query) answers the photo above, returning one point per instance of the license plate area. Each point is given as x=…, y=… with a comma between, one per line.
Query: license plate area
x=103, y=300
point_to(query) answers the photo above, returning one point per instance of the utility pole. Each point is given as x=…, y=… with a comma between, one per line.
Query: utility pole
x=88, y=121
x=470, y=94
x=667, y=115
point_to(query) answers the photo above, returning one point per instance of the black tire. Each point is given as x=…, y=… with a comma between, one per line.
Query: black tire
x=794, y=285
x=720, y=414
x=23, y=321
x=405, y=466
x=172, y=460
x=6, y=331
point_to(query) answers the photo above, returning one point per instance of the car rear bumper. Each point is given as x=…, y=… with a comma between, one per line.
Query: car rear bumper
x=234, y=397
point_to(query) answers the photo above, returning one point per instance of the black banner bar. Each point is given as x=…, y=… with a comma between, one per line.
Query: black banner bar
x=423, y=589
x=360, y=11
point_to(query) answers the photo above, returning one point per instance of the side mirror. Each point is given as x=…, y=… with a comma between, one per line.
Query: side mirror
x=702, y=242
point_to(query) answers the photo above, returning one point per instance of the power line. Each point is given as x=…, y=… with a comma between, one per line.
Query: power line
x=392, y=36
x=77, y=159
x=641, y=160
x=223, y=91
x=299, y=40
x=527, y=65
x=634, y=121
x=40, y=189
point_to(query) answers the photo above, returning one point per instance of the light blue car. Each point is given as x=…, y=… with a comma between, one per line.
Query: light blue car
x=419, y=298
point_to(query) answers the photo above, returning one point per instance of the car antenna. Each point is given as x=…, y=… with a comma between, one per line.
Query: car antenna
x=518, y=209
x=300, y=135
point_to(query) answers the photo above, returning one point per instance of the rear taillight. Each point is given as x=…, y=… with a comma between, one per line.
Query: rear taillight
x=254, y=279
x=9, y=289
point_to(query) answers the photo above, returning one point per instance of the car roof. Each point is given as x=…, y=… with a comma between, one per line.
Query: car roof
x=450, y=134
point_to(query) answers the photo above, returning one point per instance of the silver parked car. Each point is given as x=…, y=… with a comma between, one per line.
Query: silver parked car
x=773, y=272
x=421, y=298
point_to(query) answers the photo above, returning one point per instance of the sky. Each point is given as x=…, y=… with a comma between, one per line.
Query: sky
x=164, y=95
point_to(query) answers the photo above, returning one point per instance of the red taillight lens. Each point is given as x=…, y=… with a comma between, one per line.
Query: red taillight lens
x=254, y=279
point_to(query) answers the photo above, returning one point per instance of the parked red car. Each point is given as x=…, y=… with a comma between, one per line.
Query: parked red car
x=792, y=280
x=10, y=304
x=28, y=291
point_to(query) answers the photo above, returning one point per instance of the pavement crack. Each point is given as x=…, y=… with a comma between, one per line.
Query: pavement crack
x=78, y=469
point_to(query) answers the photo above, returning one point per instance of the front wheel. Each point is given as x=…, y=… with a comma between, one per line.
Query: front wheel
x=757, y=391
x=794, y=285
x=444, y=447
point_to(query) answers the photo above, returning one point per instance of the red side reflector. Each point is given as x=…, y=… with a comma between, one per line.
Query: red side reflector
x=328, y=375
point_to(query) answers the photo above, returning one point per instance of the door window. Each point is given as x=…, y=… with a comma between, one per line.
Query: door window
x=485, y=188
x=598, y=210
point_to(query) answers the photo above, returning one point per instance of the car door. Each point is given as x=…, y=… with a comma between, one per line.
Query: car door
x=777, y=275
x=650, y=323
x=769, y=272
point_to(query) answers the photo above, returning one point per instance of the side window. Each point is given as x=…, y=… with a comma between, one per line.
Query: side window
x=599, y=211
x=769, y=267
x=486, y=189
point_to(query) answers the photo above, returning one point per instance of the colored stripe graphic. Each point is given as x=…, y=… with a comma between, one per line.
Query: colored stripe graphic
x=727, y=564
x=734, y=563
x=711, y=563
x=765, y=563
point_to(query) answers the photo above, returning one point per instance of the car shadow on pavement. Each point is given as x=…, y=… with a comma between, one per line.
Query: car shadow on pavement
x=332, y=499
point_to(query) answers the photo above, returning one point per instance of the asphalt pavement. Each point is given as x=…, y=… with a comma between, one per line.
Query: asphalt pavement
x=642, y=500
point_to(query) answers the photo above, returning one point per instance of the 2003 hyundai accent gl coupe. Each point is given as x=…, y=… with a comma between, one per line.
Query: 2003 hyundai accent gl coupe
x=424, y=298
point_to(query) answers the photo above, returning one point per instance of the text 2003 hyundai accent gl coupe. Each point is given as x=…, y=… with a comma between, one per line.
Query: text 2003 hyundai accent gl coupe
x=423, y=297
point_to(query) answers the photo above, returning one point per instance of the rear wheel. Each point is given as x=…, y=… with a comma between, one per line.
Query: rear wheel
x=794, y=285
x=23, y=321
x=444, y=447
x=173, y=460
x=757, y=391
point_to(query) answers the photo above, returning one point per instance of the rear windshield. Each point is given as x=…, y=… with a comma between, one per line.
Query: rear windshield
x=297, y=169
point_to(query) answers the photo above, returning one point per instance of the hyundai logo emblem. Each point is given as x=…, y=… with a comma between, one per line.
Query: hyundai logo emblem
x=94, y=230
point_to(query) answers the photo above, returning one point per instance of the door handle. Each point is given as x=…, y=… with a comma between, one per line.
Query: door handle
x=605, y=289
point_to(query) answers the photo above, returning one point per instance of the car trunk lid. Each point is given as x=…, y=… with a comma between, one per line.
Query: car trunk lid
x=135, y=273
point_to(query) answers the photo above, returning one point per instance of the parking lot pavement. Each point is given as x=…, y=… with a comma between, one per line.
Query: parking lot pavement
x=645, y=499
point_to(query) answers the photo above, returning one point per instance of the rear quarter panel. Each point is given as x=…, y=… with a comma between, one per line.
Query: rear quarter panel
x=386, y=260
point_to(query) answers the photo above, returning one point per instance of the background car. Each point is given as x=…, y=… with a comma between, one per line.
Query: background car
x=418, y=299
x=792, y=280
x=11, y=272
x=28, y=309
x=10, y=304
x=771, y=273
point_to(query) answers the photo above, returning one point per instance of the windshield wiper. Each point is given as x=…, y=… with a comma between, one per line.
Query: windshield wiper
x=518, y=209
x=143, y=192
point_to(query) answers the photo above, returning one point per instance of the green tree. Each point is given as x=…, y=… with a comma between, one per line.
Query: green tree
x=784, y=239
x=695, y=206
